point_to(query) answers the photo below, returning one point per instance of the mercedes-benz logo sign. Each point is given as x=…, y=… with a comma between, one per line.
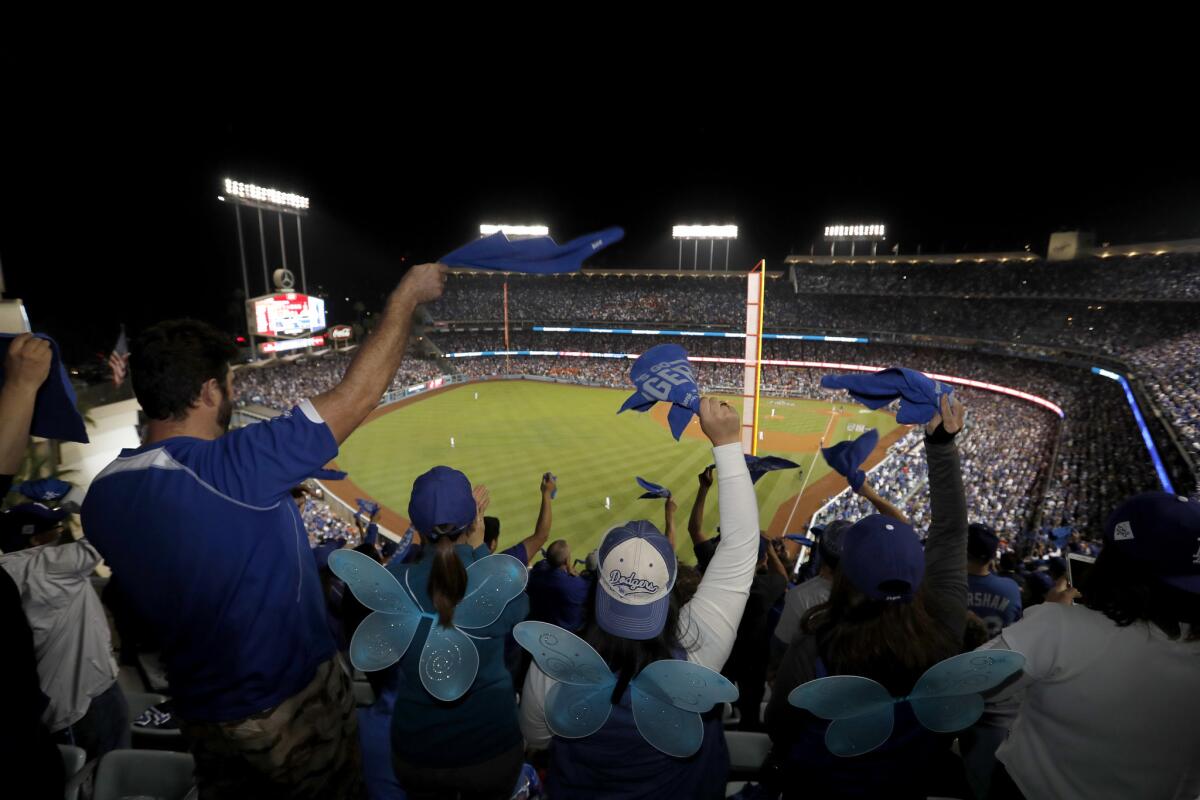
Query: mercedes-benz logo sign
x=284, y=280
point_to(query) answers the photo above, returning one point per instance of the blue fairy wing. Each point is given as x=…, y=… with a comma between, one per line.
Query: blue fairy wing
x=382, y=639
x=668, y=697
x=861, y=734
x=947, y=697
x=562, y=655
x=685, y=685
x=573, y=712
x=449, y=662
x=863, y=712
x=666, y=728
x=491, y=583
x=374, y=586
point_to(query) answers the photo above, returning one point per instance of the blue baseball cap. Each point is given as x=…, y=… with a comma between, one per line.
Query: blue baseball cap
x=982, y=542
x=21, y=522
x=1162, y=532
x=883, y=558
x=637, y=572
x=442, y=496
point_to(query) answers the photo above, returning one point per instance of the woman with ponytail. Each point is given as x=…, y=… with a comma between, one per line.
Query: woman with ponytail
x=470, y=747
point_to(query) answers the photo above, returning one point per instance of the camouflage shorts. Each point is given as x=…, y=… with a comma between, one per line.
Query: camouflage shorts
x=306, y=747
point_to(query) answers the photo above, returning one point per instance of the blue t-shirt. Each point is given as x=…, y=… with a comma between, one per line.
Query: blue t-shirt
x=519, y=552
x=214, y=560
x=556, y=597
x=481, y=724
x=995, y=600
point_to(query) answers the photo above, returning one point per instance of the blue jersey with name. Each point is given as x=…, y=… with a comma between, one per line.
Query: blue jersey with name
x=995, y=600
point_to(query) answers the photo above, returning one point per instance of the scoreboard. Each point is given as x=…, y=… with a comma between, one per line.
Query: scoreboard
x=286, y=315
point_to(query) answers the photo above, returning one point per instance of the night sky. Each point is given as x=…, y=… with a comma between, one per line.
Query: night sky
x=110, y=212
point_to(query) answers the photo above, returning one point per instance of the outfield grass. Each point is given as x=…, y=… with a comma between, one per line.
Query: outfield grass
x=517, y=430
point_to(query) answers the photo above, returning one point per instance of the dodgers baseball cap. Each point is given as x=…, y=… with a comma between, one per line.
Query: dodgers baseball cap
x=883, y=558
x=19, y=523
x=637, y=573
x=442, y=496
x=1161, y=531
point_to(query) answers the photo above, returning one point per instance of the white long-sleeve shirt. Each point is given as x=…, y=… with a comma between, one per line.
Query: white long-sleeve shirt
x=708, y=623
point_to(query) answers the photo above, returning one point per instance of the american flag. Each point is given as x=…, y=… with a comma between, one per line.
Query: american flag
x=118, y=359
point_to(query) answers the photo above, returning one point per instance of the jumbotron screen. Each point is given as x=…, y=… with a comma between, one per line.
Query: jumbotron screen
x=290, y=314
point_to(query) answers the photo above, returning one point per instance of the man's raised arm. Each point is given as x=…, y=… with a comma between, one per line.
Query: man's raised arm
x=345, y=406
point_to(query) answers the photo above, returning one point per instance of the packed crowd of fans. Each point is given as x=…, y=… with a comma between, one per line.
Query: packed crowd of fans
x=323, y=524
x=1006, y=449
x=1174, y=276
x=608, y=297
x=282, y=385
x=547, y=677
x=1170, y=369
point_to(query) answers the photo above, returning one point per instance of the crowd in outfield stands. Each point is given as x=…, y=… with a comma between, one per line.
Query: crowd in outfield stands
x=283, y=385
x=1167, y=277
x=1170, y=369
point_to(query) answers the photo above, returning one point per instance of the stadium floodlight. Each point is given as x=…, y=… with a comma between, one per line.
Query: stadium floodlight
x=514, y=230
x=704, y=231
x=249, y=194
x=843, y=233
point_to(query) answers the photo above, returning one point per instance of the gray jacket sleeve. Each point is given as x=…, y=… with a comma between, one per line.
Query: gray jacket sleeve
x=945, y=583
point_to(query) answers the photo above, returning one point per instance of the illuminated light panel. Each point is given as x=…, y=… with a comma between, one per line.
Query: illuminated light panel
x=261, y=194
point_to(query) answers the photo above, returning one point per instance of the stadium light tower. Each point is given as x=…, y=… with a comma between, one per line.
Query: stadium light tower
x=514, y=231
x=262, y=198
x=873, y=233
x=709, y=233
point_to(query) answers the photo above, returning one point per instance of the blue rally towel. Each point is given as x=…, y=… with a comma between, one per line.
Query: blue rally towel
x=538, y=255
x=846, y=457
x=663, y=373
x=919, y=394
x=653, y=490
x=761, y=465
x=45, y=490
x=368, y=508
x=55, y=412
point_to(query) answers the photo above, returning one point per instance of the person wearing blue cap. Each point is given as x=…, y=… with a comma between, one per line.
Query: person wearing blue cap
x=894, y=610
x=470, y=747
x=1110, y=694
x=199, y=527
x=634, y=621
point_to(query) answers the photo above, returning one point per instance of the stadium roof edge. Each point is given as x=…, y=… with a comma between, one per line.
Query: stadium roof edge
x=912, y=258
